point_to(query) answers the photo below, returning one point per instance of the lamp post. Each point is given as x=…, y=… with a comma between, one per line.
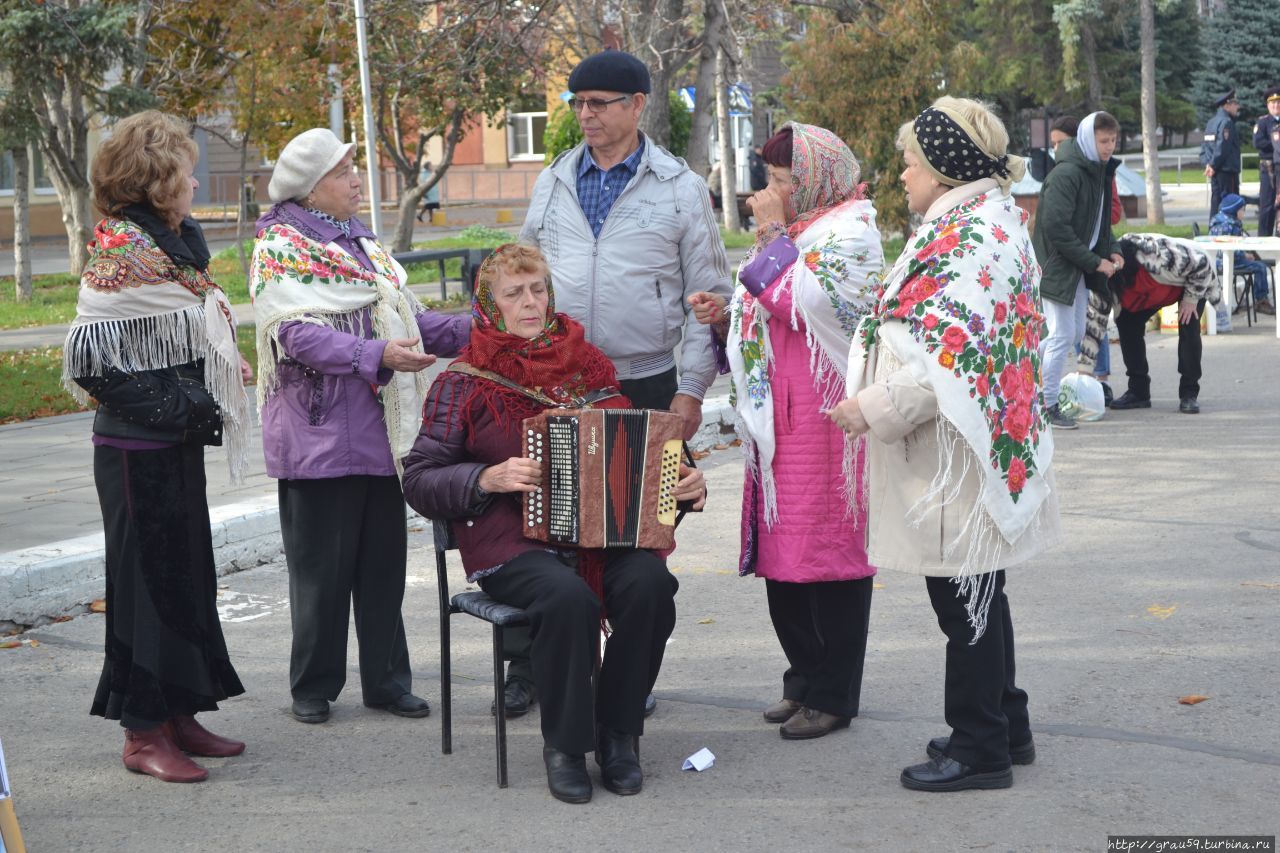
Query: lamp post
x=370, y=139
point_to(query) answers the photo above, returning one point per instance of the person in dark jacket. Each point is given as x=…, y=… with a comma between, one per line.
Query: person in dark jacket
x=342, y=343
x=467, y=466
x=1220, y=151
x=1074, y=244
x=1266, y=131
x=154, y=343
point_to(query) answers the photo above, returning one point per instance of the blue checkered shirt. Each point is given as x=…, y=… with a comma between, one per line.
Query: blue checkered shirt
x=598, y=189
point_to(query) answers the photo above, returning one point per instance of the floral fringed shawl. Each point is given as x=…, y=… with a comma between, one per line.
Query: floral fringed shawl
x=295, y=278
x=139, y=310
x=961, y=310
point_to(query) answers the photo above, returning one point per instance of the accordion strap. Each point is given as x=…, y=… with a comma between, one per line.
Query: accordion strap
x=535, y=393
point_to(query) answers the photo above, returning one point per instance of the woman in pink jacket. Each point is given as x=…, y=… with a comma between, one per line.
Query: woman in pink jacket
x=785, y=339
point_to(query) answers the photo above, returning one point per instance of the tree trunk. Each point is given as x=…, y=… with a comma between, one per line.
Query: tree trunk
x=402, y=241
x=241, y=202
x=1089, y=51
x=699, y=152
x=656, y=120
x=21, y=224
x=1150, y=153
x=728, y=166
x=73, y=199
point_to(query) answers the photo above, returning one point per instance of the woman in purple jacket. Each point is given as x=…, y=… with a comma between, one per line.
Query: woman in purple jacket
x=341, y=346
x=467, y=466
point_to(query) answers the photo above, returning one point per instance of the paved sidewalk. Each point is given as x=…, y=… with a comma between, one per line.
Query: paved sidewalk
x=1166, y=584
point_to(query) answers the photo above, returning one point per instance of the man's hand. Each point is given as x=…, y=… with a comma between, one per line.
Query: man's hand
x=399, y=356
x=691, y=487
x=848, y=416
x=1187, y=311
x=1117, y=260
x=517, y=474
x=1107, y=268
x=1208, y=171
x=708, y=308
x=689, y=408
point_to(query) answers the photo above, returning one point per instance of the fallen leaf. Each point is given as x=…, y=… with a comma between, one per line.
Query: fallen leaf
x=737, y=442
x=701, y=454
x=706, y=621
x=12, y=644
x=98, y=605
x=719, y=447
x=1263, y=585
x=34, y=643
x=877, y=586
x=1160, y=612
x=62, y=619
x=1193, y=699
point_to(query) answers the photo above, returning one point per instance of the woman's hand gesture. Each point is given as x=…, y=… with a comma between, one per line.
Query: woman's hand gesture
x=768, y=207
x=517, y=474
x=399, y=356
x=848, y=416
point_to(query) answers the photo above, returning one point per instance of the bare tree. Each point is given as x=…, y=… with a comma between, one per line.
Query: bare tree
x=1150, y=151
x=728, y=172
x=715, y=28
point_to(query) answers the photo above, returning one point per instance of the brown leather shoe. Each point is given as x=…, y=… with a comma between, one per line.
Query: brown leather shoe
x=808, y=723
x=154, y=753
x=782, y=711
x=194, y=738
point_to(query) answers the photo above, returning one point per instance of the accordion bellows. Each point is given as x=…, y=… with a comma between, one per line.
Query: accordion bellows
x=608, y=477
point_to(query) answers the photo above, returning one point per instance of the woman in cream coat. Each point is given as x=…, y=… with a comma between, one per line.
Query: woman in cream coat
x=944, y=377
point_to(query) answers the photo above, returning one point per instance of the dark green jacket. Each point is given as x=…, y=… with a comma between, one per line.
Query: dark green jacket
x=1070, y=201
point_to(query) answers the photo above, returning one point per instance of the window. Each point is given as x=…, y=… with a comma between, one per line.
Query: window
x=42, y=182
x=6, y=172
x=524, y=135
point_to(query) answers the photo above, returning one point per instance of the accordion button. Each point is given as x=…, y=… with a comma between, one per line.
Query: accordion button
x=471, y=524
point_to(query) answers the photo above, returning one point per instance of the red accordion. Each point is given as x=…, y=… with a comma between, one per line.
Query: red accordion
x=608, y=477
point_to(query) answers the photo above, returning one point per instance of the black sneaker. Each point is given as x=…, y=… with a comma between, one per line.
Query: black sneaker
x=1189, y=406
x=1130, y=400
x=1059, y=420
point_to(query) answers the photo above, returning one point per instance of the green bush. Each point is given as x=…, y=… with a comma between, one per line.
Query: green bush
x=484, y=236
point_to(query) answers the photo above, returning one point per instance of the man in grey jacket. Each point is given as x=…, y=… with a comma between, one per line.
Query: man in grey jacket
x=629, y=234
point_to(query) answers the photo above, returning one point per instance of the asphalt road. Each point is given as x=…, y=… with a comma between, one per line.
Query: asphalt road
x=1167, y=585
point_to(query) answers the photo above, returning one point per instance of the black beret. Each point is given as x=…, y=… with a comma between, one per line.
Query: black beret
x=1229, y=96
x=1272, y=94
x=610, y=71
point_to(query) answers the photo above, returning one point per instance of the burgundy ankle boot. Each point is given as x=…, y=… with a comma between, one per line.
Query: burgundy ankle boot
x=152, y=751
x=194, y=738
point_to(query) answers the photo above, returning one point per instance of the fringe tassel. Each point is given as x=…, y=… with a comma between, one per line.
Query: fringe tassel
x=134, y=344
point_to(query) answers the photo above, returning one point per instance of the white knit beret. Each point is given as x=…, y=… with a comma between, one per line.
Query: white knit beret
x=304, y=161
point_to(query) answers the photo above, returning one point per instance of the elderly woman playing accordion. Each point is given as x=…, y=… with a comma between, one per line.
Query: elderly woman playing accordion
x=467, y=466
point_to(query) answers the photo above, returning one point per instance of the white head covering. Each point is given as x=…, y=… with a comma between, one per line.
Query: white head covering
x=1085, y=139
x=307, y=158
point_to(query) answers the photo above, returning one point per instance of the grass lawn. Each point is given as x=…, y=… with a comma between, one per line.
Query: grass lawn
x=1193, y=173
x=1127, y=227
x=53, y=301
x=31, y=380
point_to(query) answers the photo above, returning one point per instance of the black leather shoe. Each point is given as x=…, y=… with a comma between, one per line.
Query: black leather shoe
x=619, y=767
x=518, y=696
x=1022, y=754
x=942, y=774
x=310, y=710
x=1189, y=406
x=1130, y=400
x=407, y=705
x=1107, y=397
x=650, y=705
x=567, y=776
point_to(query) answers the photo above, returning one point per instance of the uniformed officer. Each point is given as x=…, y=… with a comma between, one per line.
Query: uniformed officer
x=1220, y=151
x=1266, y=138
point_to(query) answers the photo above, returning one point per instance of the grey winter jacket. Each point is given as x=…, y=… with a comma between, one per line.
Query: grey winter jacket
x=629, y=287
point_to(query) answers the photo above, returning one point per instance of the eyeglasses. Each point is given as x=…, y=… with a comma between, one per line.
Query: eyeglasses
x=595, y=105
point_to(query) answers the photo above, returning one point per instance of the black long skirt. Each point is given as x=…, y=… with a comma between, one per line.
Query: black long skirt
x=165, y=654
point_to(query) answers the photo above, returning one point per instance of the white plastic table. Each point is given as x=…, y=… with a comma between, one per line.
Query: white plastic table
x=1228, y=246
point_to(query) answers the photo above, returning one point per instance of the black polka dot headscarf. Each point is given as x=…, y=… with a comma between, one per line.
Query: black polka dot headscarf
x=951, y=151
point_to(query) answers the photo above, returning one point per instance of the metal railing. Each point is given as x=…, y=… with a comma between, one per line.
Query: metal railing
x=470, y=264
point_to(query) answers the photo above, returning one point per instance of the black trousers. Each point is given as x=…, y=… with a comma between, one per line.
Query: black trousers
x=345, y=543
x=985, y=709
x=1266, y=200
x=564, y=626
x=823, y=631
x=1222, y=183
x=1133, y=347
x=652, y=392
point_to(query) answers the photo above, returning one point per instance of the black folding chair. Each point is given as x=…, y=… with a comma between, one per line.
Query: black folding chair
x=481, y=606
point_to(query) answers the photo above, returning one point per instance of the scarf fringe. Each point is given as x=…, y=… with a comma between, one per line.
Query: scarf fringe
x=154, y=343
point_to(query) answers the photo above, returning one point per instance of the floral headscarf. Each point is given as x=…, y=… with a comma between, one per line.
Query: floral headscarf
x=831, y=290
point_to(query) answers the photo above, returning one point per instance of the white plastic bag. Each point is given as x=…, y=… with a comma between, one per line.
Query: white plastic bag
x=1080, y=396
